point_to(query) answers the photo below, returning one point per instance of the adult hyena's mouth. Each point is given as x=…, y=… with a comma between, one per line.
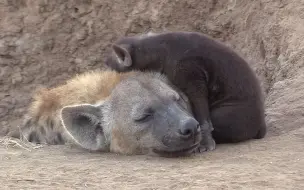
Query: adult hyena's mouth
x=176, y=153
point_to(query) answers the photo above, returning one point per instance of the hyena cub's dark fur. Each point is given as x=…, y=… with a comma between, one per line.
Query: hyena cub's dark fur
x=222, y=88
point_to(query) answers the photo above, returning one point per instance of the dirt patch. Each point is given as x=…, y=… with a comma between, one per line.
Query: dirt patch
x=272, y=163
x=44, y=42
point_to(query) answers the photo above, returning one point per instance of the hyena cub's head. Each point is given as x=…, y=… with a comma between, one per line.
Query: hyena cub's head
x=143, y=115
x=141, y=52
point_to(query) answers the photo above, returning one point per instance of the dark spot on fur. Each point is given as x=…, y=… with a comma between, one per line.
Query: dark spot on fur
x=50, y=123
x=42, y=131
x=99, y=129
x=59, y=139
x=33, y=137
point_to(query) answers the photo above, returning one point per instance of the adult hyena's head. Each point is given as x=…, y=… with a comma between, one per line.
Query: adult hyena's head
x=144, y=114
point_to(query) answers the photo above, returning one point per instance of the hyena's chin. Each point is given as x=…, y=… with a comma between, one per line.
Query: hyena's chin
x=182, y=152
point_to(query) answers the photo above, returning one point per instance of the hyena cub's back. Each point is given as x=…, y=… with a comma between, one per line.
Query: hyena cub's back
x=42, y=123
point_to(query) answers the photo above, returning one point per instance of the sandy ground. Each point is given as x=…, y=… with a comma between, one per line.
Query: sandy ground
x=272, y=163
x=45, y=42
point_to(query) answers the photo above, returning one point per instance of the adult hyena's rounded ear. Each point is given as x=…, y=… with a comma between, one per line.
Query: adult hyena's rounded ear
x=122, y=54
x=84, y=124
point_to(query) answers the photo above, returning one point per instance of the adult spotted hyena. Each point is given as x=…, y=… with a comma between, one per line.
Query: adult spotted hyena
x=127, y=113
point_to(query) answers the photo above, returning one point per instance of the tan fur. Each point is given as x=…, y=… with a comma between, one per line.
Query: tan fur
x=90, y=88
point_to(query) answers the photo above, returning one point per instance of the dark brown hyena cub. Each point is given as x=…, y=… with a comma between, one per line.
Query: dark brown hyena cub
x=224, y=91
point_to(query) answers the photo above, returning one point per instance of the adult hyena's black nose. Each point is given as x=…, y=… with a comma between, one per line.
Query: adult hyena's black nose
x=189, y=128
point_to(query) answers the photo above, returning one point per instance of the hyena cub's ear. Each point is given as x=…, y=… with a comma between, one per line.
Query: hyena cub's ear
x=122, y=54
x=84, y=124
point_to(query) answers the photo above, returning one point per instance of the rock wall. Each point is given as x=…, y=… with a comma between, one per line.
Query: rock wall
x=44, y=42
